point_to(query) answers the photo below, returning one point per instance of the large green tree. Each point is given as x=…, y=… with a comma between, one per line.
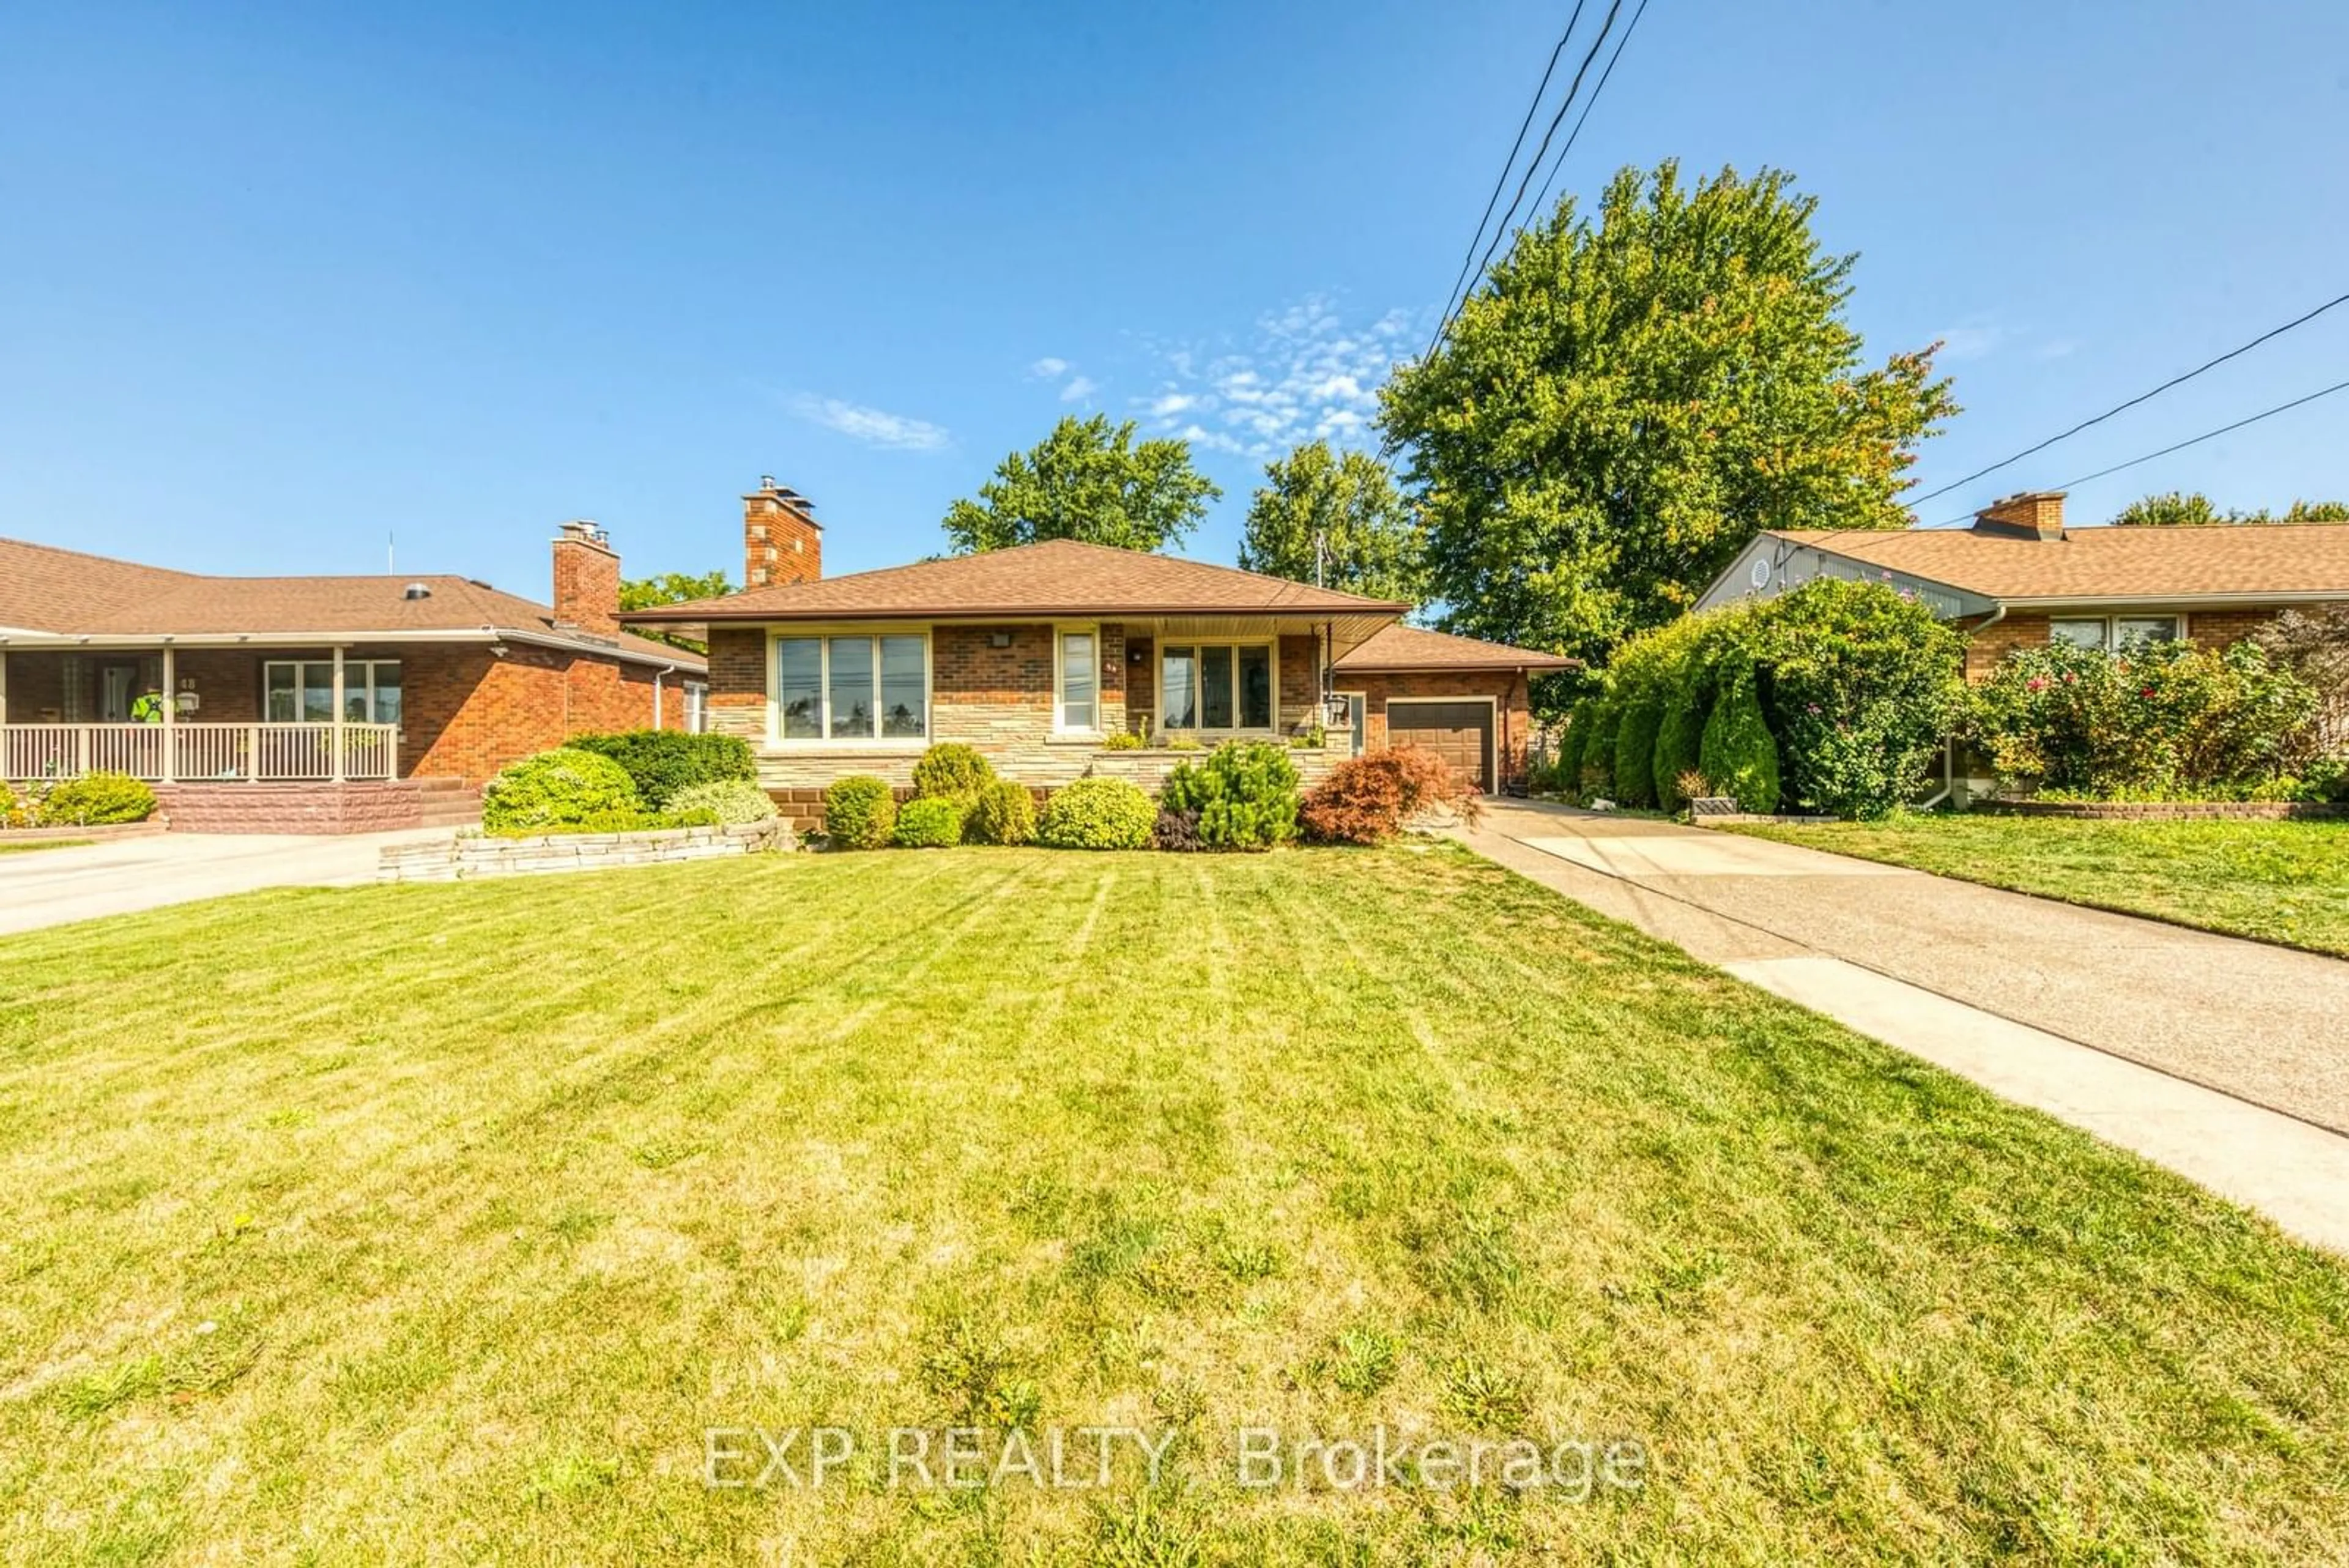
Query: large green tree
x=1620, y=405
x=2192, y=509
x=672, y=588
x=1090, y=481
x=1340, y=517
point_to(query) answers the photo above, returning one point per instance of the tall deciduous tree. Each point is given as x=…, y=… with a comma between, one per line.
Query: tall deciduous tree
x=2192, y=509
x=1087, y=481
x=1620, y=406
x=1370, y=540
x=672, y=588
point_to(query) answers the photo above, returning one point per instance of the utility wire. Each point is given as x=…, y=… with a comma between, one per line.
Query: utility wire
x=2190, y=441
x=1502, y=178
x=1542, y=196
x=2141, y=397
x=1573, y=89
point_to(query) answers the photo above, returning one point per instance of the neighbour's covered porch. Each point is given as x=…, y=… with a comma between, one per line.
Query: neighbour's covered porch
x=173, y=714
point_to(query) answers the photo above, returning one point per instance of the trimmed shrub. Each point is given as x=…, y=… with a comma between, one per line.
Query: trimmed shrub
x=1177, y=831
x=660, y=762
x=1860, y=684
x=1567, y=776
x=96, y=800
x=1097, y=813
x=951, y=770
x=859, y=812
x=1598, y=770
x=1737, y=755
x=1244, y=794
x=728, y=802
x=1002, y=812
x=562, y=788
x=613, y=822
x=1635, y=752
x=1679, y=745
x=1369, y=799
x=930, y=822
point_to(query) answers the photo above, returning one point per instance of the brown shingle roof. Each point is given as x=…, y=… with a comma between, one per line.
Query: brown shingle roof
x=1057, y=577
x=67, y=593
x=2246, y=561
x=1400, y=647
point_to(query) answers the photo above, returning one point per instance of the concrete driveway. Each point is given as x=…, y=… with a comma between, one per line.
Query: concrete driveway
x=2226, y=1060
x=52, y=887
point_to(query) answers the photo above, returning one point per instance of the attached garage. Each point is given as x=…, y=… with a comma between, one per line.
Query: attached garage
x=1458, y=729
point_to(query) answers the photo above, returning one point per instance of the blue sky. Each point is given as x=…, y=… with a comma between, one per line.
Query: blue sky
x=277, y=281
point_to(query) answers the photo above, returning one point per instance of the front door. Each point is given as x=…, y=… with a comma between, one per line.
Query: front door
x=118, y=689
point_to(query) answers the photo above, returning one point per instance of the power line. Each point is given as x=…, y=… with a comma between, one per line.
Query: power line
x=1542, y=196
x=2190, y=441
x=2141, y=397
x=1502, y=178
x=1541, y=151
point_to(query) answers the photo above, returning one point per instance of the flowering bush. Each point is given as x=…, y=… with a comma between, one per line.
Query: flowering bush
x=2153, y=720
x=1369, y=799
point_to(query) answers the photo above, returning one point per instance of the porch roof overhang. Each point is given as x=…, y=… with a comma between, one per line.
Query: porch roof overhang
x=16, y=641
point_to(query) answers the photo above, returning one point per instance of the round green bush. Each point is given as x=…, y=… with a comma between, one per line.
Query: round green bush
x=728, y=802
x=560, y=788
x=94, y=800
x=1245, y=795
x=1737, y=757
x=1097, y=813
x=859, y=813
x=951, y=770
x=1004, y=813
x=1635, y=752
x=930, y=822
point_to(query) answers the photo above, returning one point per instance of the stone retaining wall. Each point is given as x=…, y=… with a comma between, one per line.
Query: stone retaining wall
x=2165, y=810
x=473, y=854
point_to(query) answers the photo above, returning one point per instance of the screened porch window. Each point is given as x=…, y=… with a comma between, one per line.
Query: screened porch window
x=858, y=688
x=302, y=691
x=1216, y=686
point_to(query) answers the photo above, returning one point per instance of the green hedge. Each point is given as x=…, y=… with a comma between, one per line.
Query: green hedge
x=1598, y=770
x=660, y=762
x=1635, y=752
x=1097, y=813
x=1680, y=743
x=566, y=787
x=1737, y=756
x=859, y=813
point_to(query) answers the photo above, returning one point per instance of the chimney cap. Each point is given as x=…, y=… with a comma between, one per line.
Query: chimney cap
x=580, y=528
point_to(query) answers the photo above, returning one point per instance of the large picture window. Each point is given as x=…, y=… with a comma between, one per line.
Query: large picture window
x=1215, y=686
x=302, y=690
x=860, y=687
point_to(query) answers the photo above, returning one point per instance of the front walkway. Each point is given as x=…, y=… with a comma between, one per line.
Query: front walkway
x=53, y=886
x=2226, y=1061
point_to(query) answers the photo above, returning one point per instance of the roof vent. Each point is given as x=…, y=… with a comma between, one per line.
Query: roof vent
x=416, y=591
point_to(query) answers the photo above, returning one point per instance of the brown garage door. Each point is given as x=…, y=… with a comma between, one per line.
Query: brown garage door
x=1459, y=733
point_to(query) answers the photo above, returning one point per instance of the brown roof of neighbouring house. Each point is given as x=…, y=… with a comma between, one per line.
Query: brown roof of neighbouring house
x=1057, y=577
x=1400, y=647
x=2228, y=561
x=54, y=592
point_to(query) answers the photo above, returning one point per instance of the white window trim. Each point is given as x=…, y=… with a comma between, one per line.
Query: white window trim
x=2112, y=625
x=358, y=674
x=878, y=745
x=1060, y=726
x=1158, y=684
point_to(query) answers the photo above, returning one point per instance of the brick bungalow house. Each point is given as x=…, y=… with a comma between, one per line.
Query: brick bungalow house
x=313, y=704
x=1036, y=655
x=2019, y=578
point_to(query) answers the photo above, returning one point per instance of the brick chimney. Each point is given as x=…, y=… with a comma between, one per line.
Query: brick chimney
x=2032, y=515
x=782, y=540
x=586, y=581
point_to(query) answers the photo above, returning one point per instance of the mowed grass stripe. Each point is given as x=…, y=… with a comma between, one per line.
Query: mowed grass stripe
x=1313, y=1140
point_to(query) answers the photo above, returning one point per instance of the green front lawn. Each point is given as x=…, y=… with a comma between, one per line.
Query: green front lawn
x=22, y=847
x=438, y=1223
x=2280, y=882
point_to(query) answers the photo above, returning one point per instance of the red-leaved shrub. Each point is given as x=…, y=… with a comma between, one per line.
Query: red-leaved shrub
x=1369, y=799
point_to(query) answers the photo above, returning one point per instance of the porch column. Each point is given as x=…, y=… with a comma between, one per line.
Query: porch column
x=170, y=714
x=335, y=735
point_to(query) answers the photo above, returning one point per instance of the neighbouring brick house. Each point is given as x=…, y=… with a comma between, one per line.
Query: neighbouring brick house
x=316, y=703
x=1035, y=656
x=2018, y=577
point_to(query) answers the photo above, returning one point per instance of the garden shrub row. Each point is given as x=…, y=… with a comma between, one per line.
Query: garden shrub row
x=661, y=762
x=87, y=800
x=606, y=783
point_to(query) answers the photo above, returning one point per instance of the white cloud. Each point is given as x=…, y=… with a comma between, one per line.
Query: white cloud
x=1302, y=372
x=872, y=426
x=1048, y=370
x=1976, y=340
x=1078, y=386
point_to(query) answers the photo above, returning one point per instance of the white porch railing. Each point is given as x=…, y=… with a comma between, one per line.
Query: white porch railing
x=198, y=754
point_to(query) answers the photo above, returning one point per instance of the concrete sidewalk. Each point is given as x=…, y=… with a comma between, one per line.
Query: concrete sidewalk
x=2226, y=1061
x=53, y=887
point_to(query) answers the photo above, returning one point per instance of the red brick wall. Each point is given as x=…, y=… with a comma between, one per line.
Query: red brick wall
x=1513, y=716
x=586, y=585
x=965, y=668
x=2211, y=628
